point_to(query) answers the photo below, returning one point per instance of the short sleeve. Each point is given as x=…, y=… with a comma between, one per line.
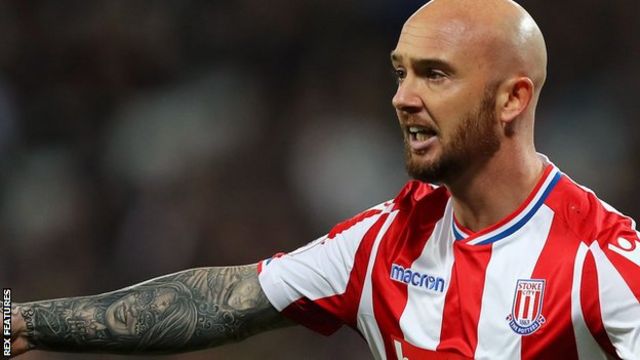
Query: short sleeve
x=319, y=285
x=616, y=261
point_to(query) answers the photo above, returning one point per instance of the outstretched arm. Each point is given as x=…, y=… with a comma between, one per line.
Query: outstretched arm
x=184, y=311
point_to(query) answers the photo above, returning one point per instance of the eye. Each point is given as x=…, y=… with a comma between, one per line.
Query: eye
x=434, y=74
x=399, y=74
x=144, y=298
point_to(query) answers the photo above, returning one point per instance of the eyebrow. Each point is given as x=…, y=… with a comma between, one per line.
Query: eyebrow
x=425, y=63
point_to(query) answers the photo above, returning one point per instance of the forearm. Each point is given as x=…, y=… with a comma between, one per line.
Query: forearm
x=185, y=311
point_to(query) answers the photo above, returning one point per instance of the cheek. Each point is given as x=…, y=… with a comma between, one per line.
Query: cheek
x=448, y=104
x=451, y=119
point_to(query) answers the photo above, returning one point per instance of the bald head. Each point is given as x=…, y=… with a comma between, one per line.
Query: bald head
x=499, y=33
x=469, y=78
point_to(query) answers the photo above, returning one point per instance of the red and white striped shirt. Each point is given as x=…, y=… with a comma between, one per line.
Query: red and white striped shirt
x=558, y=278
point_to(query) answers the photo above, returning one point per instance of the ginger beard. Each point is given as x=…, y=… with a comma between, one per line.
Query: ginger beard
x=471, y=145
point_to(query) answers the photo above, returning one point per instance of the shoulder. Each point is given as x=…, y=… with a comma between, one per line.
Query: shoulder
x=609, y=242
x=370, y=215
x=414, y=195
x=587, y=216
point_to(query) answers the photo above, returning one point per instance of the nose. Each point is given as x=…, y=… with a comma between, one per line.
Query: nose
x=406, y=98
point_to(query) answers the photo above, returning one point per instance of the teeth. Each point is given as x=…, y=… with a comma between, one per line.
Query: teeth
x=422, y=136
x=415, y=129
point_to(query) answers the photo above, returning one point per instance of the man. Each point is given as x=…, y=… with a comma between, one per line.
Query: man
x=507, y=259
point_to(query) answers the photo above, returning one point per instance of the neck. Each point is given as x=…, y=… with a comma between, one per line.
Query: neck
x=487, y=195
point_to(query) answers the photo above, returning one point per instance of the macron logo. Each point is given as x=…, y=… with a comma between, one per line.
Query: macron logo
x=417, y=279
x=630, y=249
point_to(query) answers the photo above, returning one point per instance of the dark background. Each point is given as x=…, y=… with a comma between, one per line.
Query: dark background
x=139, y=138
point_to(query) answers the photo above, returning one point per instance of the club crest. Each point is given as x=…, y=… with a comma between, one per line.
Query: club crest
x=526, y=312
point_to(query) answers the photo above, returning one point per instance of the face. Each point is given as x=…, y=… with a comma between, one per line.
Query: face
x=444, y=101
x=136, y=313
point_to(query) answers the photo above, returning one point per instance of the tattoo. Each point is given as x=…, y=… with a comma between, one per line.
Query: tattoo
x=185, y=311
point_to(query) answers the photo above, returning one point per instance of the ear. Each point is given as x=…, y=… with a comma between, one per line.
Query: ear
x=514, y=98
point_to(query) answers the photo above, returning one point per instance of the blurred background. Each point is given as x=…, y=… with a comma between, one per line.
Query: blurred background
x=139, y=138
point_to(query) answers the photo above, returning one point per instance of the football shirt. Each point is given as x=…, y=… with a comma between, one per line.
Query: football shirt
x=558, y=278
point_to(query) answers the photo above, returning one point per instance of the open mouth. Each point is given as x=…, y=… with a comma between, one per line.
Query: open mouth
x=121, y=313
x=420, y=133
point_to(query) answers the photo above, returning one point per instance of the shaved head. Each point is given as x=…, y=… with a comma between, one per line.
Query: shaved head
x=470, y=74
x=500, y=31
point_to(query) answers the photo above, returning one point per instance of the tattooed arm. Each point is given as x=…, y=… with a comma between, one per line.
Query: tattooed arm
x=184, y=311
